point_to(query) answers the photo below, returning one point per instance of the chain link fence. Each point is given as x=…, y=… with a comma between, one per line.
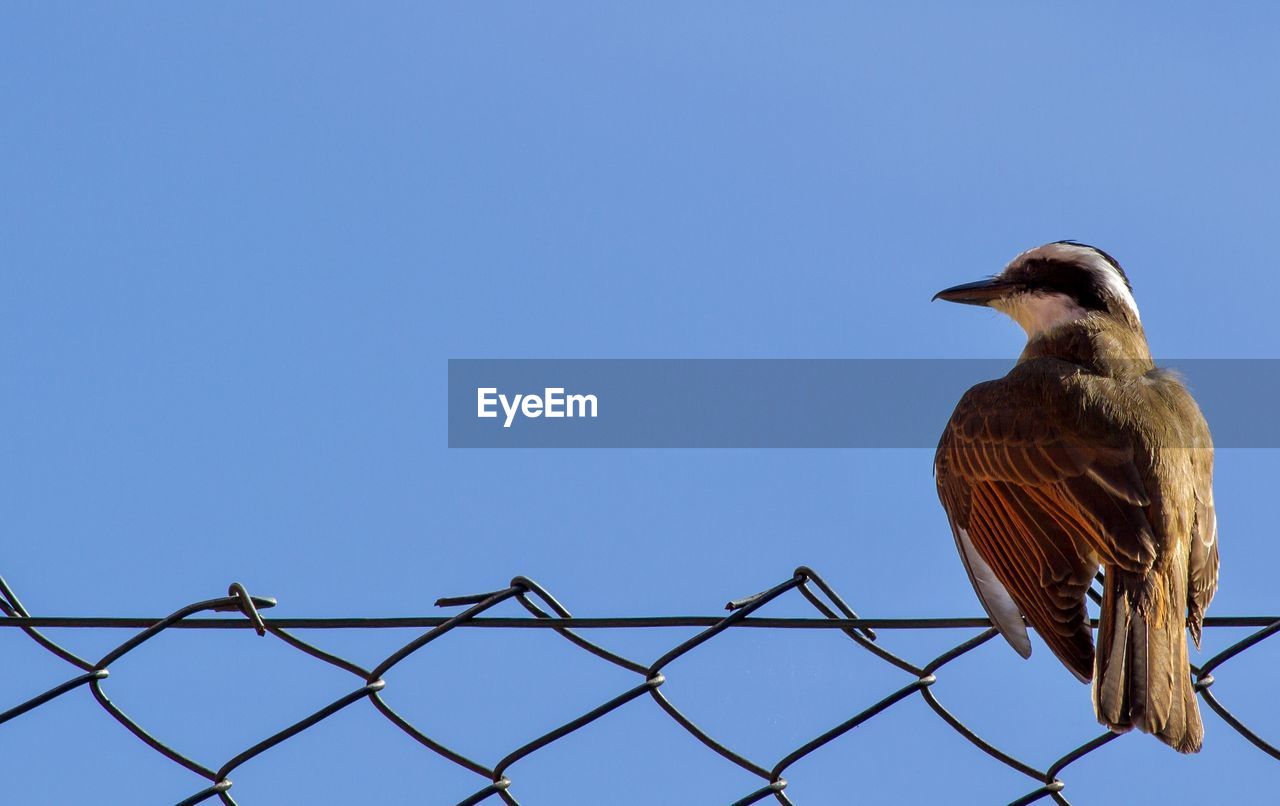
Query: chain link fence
x=494, y=784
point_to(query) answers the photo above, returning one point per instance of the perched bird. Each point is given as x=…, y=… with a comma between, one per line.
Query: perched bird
x=1086, y=454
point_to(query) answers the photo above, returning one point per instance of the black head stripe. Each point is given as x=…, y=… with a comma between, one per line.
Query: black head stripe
x=1115, y=264
x=1067, y=278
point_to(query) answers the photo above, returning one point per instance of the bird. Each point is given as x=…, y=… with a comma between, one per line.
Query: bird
x=1086, y=455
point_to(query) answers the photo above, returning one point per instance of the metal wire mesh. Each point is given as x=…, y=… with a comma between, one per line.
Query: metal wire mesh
x=547, y=613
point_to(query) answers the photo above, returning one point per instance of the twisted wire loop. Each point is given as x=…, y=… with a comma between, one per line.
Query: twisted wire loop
x=548, y=613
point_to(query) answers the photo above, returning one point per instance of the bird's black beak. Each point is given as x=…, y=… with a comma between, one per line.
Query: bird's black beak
x=980, y=293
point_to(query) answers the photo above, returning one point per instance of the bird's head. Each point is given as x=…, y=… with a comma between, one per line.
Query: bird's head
x=1051, y=285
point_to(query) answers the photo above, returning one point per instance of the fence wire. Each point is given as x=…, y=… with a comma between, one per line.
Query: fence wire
x=547, y=613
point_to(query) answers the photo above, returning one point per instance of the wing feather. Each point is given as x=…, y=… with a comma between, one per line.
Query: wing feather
x=1041, y=495
x=1204, y=558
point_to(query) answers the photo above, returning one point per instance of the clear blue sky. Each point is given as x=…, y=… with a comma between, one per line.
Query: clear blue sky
x=238, y=244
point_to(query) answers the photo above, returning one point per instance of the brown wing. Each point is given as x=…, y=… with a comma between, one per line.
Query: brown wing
x=1203, y=562
x=1039, y=486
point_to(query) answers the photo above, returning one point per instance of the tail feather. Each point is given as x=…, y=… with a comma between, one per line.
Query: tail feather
x=1111, y=675
x=1142, y=679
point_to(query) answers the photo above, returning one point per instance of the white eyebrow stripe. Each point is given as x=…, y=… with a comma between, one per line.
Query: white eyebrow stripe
x=1115, y=283
x=1104, y=271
